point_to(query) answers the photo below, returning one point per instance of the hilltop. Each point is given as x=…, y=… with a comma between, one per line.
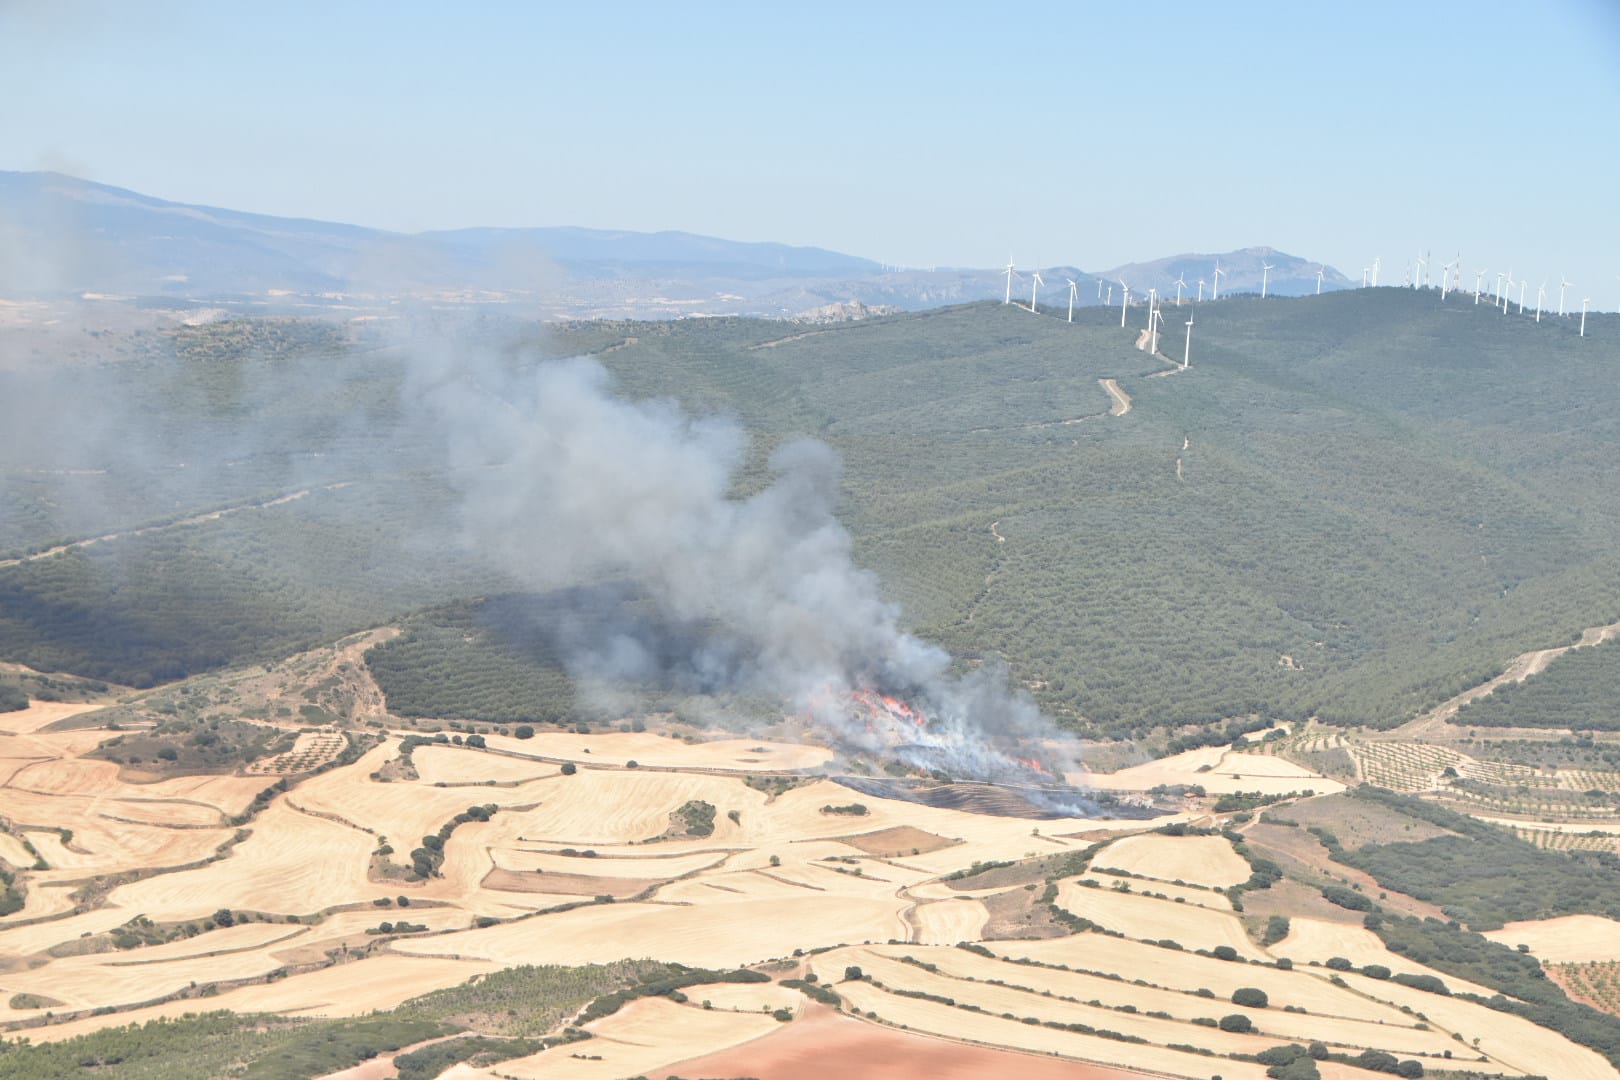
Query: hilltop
x=1348, y=507
x=202, y=261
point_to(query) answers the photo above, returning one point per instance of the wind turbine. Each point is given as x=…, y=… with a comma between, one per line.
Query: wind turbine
x=1215, y=291
x=1200, y=290
x=1417, y=277
x=1479, y=275
x=1496, y=300
x=1155, y=321
x=1110, y=300
x=1507, y=297
x=1522, y=284
x=1034, y=287
x=1124, y=303
x=1186, y=351
x=1541, y=292
x=1378, y=262
x=1584, y=301
x=1364, y=272
x=1320, y=270
x=1099, y=288
x=1181, y=283
x=1562, y=285
x=1073, y=288
x=1445, y=275
x=1265, y=269
x=1009, y=272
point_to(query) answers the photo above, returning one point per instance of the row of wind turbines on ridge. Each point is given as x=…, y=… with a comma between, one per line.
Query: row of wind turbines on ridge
x=1451, y=281
x=1155, y=315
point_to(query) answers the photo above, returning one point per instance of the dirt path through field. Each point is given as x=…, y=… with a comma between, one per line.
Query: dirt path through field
x=1521, y=668
x=1122, y=400
x=212, y=515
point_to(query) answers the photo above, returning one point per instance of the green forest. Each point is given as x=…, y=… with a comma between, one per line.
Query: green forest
x=1579, y=690
x=1374, y=508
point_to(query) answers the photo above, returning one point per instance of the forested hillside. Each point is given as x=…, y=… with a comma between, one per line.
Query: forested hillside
x=1352, y=506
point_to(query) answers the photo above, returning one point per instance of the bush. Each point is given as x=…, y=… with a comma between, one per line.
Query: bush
x=524, y=731
x=1346, y=898
x=569, y=768
x=1250, y=997
x=1224, y=952
x=1236, y=1022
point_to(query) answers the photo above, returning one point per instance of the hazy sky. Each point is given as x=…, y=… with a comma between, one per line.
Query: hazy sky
x=927, y=134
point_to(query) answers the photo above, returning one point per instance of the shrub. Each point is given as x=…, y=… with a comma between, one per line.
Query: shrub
x=1236, y=1022
x=569, y=768
x=524, y=731
x=1224, y=952
x=1250, y=997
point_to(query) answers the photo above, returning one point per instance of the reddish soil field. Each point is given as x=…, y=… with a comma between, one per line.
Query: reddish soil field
x=824, y=1043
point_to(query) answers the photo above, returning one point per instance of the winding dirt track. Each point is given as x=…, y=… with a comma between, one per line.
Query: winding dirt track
x=212, y=515
x=1122, y=400
x=1521, y=668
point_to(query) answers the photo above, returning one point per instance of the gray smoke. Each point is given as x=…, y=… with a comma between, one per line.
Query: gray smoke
x=565, y=483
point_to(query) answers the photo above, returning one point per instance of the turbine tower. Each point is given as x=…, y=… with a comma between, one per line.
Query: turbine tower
x=1073, y=288
x=1181, y=283
x=1200, y=290
x=1522, y=284
x=1124, y=303
x=1155, y=320
x=1099, y=288
x=1034, y=287
x=1541, y=293
x=1378, y=262
x=1417, y=276
x=1215, y=289
x=1320, y=270
x=1445, y=276
x=1562, y=285
x=1009, y=272
x=1584, y=301
x=1265, y=270
x=1479, y=276
x=1186, y=350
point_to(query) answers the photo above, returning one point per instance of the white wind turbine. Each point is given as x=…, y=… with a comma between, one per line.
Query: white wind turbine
x=1496, y=299
x=1009, y=273
x=1507, y=297
x=1378, y=262
x=1157, y=321
x=1215, y=289
x=1265, y=270
x=1186, y=350
x=1110, y=300
x=1541, y=294
x=1562, y=285
x=1479, y=276
x=1181, y=283
x=1073, y=289
x=1034, y=287
x=1365, y=270
x=1522, y=284
x=1124, y=303
x=1200, y=290
x=1099, y=288
x=1320, y=270
x=1417, y=276
x=1445, y=276
x=1584, y=301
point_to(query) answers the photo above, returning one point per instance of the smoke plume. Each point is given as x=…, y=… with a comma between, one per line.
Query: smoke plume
x=565, y=483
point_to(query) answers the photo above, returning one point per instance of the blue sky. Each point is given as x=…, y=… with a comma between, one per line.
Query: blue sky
x=938, y=134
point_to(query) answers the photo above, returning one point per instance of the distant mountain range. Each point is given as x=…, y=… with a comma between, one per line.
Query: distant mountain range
x=65, y=237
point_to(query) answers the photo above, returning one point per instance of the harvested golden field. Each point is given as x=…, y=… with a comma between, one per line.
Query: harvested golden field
x=1197, y=860
x=640, y=1038
x=825, y=1043
x=658, y=751
x=1570, y=939
x=1218, y=771
x=1146, y=918
x=153, y=897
